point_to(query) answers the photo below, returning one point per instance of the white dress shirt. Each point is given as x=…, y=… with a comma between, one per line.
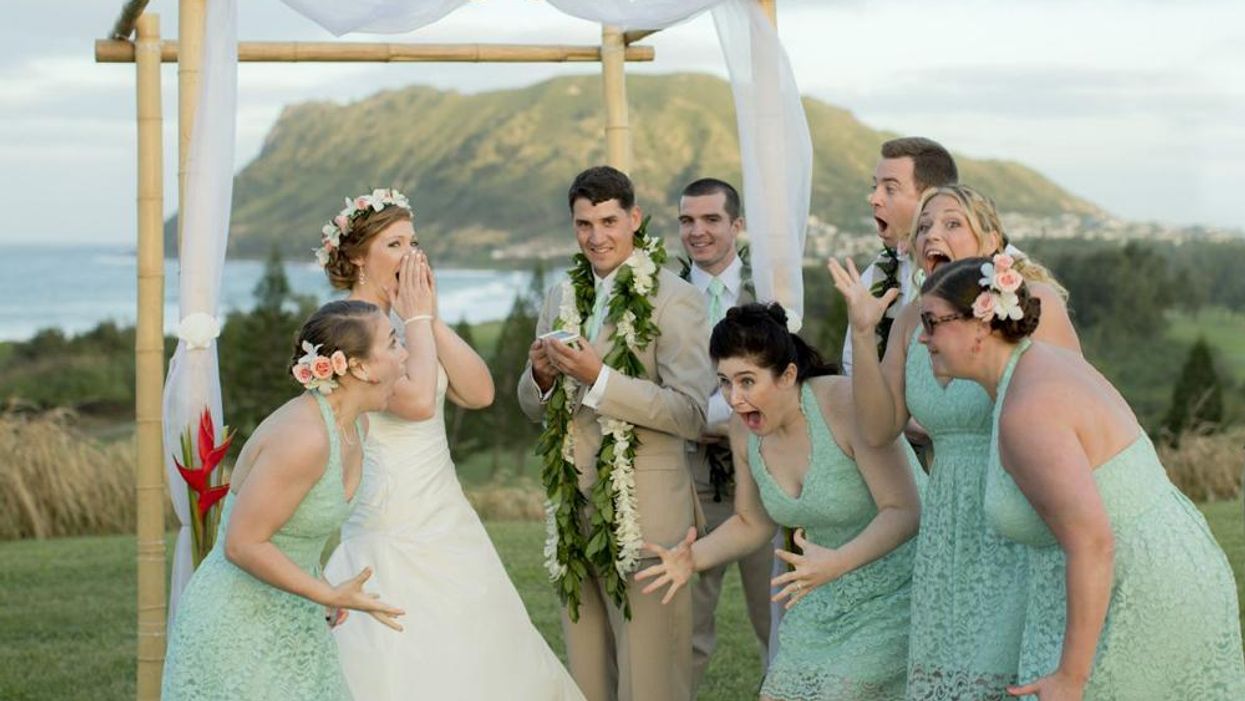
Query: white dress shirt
x=732, y=280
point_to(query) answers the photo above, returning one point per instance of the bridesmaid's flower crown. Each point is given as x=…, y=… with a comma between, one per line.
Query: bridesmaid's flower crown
x=316, y=372
x=999, y=299
x=340, y=226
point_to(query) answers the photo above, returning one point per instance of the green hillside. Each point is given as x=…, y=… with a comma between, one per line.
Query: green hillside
x=490, y=170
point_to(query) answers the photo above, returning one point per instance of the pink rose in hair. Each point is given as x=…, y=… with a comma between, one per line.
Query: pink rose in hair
x=339, y=362
x=983, y=306
x=361, y=202
x=342, y=222
x=322, y=368
x=1002, y=262
x=302, y=373
x=1008, y=280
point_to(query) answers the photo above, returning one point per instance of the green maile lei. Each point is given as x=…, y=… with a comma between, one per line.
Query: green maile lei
x=886, y=263
x=611, y=546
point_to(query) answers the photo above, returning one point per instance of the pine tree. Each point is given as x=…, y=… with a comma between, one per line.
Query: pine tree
x=256, y=348
x=510, y=430
x=1197, y=399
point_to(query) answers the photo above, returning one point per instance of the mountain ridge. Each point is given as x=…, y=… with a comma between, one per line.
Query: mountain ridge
x=487, y=171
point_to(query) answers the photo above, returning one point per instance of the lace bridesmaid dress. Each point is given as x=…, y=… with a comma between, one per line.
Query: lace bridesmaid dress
x=1172, y=629
x=235, y=637
x=968, y=582
x=847, y=640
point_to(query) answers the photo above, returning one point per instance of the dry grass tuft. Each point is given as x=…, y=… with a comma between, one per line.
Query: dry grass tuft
x=55, y=481
x=510, y=502
x=1207, y=466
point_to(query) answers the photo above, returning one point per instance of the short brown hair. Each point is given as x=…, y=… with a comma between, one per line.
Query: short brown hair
x=342, y=271
x=932, y=165
x=601, y=184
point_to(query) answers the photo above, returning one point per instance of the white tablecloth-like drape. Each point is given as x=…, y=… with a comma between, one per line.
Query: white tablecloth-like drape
x=194, y=377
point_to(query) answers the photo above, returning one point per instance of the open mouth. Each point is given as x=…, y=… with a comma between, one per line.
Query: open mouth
x=882, y=225
x=752, y=419
x=935, y=258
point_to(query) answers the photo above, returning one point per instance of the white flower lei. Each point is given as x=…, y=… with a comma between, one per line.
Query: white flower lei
x=633, y=332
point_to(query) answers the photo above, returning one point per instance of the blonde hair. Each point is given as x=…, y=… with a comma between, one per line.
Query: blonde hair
x=983, y=220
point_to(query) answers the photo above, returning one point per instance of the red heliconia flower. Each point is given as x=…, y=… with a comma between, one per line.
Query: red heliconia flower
x=208, y=498
x=210, y=455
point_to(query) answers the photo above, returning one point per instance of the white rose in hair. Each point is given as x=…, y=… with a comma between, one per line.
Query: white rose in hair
x=198, y=330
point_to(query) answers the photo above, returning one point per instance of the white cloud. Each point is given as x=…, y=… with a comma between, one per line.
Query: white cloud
x=1138, y=106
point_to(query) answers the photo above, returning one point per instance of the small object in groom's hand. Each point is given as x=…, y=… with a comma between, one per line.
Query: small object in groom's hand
x=560, y=335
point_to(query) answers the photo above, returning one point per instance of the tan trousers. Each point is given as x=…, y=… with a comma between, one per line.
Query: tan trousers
x=755, y=571
x=648, y=658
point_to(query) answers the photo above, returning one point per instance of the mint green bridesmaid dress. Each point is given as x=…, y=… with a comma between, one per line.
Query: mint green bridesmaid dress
x=968, y=582
x=1172, y=629
x=846, y=640
x=235, y=637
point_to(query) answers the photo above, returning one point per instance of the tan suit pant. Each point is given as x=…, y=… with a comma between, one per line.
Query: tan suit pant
x=648, y=658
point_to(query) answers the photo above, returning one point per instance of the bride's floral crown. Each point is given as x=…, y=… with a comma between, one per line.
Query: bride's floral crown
x=340, y=226
x=999, y=299
x=316, y=372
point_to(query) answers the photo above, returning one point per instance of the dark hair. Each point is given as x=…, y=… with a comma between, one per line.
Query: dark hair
x=601, y=184
x=342, y=271
x=759, y=332
x=712, y=186
x=959, y=284
x=341, y=325
x=932, y=165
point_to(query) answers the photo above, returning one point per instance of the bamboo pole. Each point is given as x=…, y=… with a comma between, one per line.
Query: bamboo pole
x=770, y=8
x=149, y=363
x=190, y=22
x=635, y=35
x=617, y=128
x=125, y=21
x=113, y=51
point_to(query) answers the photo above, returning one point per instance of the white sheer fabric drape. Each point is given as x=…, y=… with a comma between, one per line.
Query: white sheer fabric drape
x=775, y=149
x=194, y=376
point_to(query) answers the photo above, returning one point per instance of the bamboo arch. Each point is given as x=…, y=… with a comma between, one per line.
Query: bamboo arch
x=147, y=51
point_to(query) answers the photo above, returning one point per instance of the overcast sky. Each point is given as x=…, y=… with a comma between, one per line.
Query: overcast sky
x=1137, y=105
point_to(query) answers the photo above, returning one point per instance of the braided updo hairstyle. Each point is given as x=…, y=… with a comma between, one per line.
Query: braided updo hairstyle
x=364, y=226
x=759, y=332
x=959, y=284
x=341, y=325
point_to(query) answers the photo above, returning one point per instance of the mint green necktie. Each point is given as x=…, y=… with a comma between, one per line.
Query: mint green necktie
x=598, y=311
x=716, y=288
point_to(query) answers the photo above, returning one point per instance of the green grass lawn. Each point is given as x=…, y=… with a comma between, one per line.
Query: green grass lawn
x=67, y=612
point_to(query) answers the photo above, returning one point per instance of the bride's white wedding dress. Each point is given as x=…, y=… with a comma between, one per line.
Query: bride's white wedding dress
x=467, y=634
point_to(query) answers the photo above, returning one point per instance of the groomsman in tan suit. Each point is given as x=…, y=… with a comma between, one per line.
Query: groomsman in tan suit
x=647, y=658
x=709, y=223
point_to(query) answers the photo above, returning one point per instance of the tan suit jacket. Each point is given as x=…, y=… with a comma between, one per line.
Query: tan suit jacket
x=666, y=405
x=647, y=658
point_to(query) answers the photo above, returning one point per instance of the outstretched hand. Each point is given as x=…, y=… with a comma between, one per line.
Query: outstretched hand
x=675, y=568
x=864, y=311
x=814, y=568
x=350, y=595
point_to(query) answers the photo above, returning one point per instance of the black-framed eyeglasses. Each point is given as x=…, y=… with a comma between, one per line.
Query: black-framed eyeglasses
x=930, y=322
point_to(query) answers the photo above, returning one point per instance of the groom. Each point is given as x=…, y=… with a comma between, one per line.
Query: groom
x=646, y=658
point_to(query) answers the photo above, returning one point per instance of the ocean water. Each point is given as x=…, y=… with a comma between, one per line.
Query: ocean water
x=75, y=288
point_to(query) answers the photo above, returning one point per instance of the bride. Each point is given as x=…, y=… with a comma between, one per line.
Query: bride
x=412, y=524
